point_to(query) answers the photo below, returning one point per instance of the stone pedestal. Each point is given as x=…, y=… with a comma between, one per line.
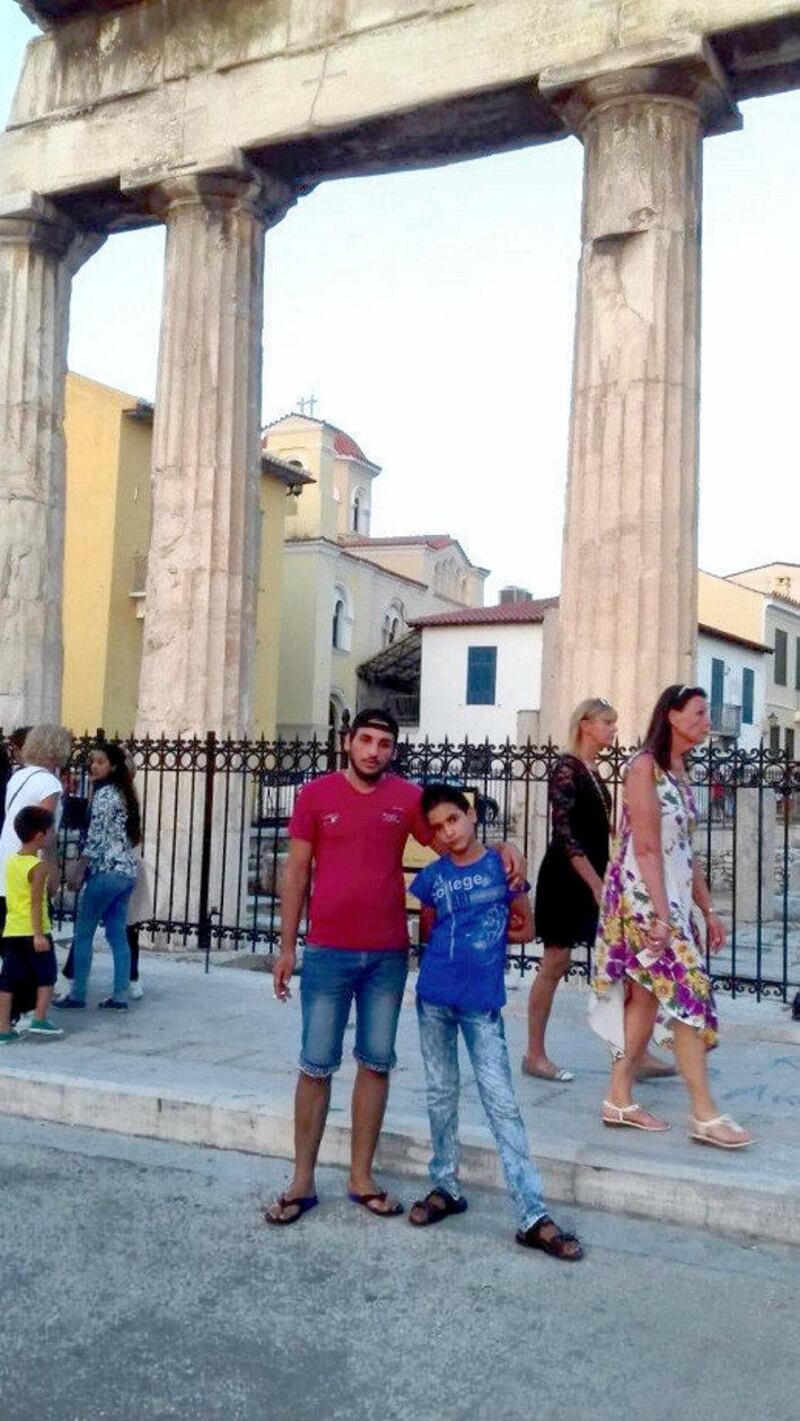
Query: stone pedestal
x=40, y=250
x=628, y=608
x=198, y=657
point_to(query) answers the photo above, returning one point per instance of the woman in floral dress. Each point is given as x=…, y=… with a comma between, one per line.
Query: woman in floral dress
x=648, y=959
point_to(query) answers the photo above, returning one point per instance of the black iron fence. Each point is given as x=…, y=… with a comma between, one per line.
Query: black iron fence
x=216, y=816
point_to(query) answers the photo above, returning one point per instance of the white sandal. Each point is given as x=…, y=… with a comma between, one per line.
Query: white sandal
x=700, y=1132
x=623, y=1112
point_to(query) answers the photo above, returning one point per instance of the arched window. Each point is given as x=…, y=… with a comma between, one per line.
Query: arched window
x=393, y=624
x=342, y=619
x=359, y=511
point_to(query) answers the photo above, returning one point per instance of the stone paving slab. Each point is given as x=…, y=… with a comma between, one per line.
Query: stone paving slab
x=211, y=1060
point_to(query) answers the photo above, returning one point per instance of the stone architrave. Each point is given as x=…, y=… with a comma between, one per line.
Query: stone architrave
x=40, y=251
x=198, y=656
x=628, y=606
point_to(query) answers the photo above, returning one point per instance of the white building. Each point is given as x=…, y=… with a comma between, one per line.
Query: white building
x=482, y=671
x=480, y=667
x=779, y=587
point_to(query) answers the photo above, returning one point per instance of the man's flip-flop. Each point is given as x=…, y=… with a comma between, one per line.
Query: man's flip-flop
x=379, y=1197
x=303, y=1206
x=436, y=1206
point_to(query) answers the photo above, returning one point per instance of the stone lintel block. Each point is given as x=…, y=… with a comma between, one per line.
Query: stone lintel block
x=227, y=179
x=684, y=67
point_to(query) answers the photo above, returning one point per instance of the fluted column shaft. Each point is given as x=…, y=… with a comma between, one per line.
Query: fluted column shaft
x=200, y=605
x=628, y=610
x=40, y=249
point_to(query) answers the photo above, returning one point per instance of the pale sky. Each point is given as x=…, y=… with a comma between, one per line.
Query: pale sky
x=432, y=315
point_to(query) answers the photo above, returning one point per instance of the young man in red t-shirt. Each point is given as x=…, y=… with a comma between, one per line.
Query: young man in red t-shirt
x=353, y=826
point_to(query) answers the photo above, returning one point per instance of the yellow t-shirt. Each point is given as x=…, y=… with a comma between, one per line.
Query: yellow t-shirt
x=19, y=921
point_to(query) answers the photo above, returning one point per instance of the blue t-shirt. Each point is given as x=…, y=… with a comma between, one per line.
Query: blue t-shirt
x=464, y=961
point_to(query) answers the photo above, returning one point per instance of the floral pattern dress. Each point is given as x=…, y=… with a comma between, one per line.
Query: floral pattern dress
x=677, y=977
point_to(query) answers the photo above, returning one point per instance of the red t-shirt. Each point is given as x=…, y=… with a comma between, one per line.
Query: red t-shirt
x=358, y=896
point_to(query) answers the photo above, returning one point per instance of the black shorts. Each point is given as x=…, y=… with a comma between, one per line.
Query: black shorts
x=23, y=965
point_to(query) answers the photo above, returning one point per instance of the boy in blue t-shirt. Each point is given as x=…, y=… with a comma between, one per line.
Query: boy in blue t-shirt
x=466, y=907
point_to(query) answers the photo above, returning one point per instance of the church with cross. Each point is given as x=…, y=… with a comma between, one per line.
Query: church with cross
x=348, y=597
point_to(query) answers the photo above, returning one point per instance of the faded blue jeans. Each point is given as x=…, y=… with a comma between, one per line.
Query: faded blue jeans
x=485, y=1040
x=104, y=899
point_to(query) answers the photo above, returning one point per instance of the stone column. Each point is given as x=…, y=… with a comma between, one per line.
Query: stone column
x=198, y=656
x=628, y=609
x=40, y=250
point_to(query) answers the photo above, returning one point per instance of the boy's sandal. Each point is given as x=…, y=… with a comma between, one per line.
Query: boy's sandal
x=565, y=1246
x=434, y=1207
x=301, y=1206
x=614, y=1115
x=378, y=1197
x=700, y=1130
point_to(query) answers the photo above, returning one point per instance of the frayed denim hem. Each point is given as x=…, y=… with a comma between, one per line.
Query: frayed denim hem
x=318, y=1073
x=534, y=1219
x=379, y=1067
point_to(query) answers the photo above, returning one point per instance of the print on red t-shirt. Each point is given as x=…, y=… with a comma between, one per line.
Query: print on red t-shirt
x=358, y=896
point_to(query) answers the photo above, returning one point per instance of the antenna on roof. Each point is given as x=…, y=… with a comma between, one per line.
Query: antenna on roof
x=307, y=404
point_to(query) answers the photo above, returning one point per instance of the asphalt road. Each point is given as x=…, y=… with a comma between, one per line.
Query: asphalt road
x=139, y=1283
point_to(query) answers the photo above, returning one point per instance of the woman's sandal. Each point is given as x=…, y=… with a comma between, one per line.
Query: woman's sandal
x=435, y=1206
x=565, y=1246
x=282, y=1202
x=623, y=1113
x=699, y=1131
x=558, y=1075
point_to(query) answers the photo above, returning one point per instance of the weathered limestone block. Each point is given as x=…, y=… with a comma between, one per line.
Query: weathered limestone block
x=200, y=604
x=40, y=250
x=628, y=608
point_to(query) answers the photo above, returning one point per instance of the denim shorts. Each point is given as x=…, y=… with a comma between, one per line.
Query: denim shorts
x=332, y=977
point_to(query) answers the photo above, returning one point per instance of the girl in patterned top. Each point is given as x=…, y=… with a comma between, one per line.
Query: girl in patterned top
x=648, y=958
x=109, y=863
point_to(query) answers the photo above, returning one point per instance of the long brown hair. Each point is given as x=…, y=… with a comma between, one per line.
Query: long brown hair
x=121, y=778
x=658, y=739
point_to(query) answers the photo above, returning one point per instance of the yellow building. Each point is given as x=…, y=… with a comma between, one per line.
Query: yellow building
x=109, y=437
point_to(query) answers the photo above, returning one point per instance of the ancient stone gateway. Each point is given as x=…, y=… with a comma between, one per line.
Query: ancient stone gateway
x=213, y=116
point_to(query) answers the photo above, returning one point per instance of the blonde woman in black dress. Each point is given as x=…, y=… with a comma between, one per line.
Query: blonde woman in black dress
x=571, y=876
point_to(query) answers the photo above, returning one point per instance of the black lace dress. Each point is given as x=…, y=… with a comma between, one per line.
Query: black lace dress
x=580, y=808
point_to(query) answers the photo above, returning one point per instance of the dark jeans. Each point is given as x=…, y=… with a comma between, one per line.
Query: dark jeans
x=132, y=934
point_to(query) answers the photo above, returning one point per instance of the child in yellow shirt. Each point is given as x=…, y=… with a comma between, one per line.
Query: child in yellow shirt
x=29, y=959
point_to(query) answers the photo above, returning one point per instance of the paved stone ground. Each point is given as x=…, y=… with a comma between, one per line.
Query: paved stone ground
x=140, y=1285
x=211, y=1060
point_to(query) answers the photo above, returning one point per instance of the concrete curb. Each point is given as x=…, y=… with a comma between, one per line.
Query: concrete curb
x=577, y=1174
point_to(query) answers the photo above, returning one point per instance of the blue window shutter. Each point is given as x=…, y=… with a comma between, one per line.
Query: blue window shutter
x=748, y=695
x=717, y=681
x=481, y=675
x=781, y=657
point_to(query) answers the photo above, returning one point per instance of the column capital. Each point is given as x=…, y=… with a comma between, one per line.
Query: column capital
x=686, y=71
x=222, y=183
x=29, y=218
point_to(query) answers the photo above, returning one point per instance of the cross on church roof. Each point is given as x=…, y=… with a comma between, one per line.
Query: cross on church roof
x=307, y=404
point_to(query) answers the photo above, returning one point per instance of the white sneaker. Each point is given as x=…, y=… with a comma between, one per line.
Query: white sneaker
x=135, y=991
x=23, y=1024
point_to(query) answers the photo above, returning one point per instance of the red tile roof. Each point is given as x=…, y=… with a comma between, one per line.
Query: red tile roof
x=506, y=614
